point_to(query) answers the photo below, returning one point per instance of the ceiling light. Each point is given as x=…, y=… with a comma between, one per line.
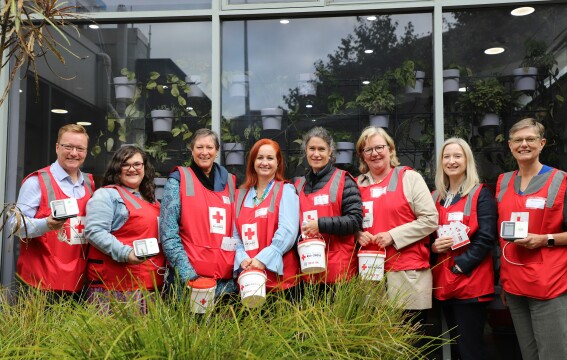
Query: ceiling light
x=309, y=106
x=84, y=123
x=371, y=18
x=368, y=51
x=21, y=90
x=284, y=21
x=494, y=50
x=462, y=89
x=93, y=26
x=59, y=111
x=366, y=82
x=521, y=11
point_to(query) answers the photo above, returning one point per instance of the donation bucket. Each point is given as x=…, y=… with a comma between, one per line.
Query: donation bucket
x=312, y=256
x=371, y=264
x=202, y=294
x=252, y=285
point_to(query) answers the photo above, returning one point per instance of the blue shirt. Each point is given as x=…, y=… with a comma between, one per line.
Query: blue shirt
x=106, y=213
x=29, y=200
x=285, y=236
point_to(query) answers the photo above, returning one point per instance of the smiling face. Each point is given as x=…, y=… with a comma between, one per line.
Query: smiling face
x=204, y=153
x=266, y=163
x=526, y=145
x=132, y=172
x=454, y=163
x=378, y=161
x=318, y=153
x=71, y=160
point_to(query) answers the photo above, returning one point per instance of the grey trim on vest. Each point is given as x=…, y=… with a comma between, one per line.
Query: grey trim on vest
x=504, y=185
x=231, y=187
x=189, y=185
x=271, y=208
x=468, y=204
x=300, y=184
x=535, y=184
x=239, y=201
x=47, y=181
x=335, y=181
x=435, y=195
x=126, y=195
x=394, y=179
x=88, y=183
x=554, y=188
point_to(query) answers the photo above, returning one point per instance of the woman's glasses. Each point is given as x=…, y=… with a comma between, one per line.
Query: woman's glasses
x=378, y=148
x=136, y=166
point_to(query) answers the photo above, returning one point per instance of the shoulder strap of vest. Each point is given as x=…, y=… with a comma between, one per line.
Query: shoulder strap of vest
x=241, y=195
x=189, y=185
x=504, y=185
x=556, y=181
x=435, y=195
x=89, y=184
x=127, y=196
x=393, y=185
x=231, y=187
x=471, y=195
x=46, y=179
x=299, y=183
x=335, y=181
x=275, y=191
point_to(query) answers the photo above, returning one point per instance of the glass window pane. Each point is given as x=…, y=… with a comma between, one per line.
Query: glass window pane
x=140, y=5
x=313, y=69
x=520, y=80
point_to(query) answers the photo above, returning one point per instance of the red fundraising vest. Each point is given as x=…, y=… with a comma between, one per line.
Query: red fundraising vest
x=257, y=226
x=538, y=273
x=45, y=262
x=448, y=285
x=385, y=207
x=142, y=223
x=206, y=218
x=342, y=263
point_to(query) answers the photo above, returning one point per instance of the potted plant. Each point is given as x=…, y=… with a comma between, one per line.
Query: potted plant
x=157, y=151
x=377, y=99
x=536, y=61
x=452, y=75
x=233, y=149
x=163, y=114
x=345, y=146
x=272, y=118
x=488, y=98
x=409, y=78
x=125, y=85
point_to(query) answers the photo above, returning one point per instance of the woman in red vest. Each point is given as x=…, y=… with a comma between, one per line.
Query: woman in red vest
x=329, y=206
x=399, y=215
x=463, y=275
x=118, y=214
x=267, y=218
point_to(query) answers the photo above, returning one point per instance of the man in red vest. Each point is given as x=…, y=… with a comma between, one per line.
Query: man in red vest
x=53, y=252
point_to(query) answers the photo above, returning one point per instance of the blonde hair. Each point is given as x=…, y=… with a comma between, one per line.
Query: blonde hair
x=74, y=128
x=367, y=133
x=526, y=123
x=471, y=174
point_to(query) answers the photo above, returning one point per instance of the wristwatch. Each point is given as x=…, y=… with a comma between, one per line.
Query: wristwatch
x=550, y=240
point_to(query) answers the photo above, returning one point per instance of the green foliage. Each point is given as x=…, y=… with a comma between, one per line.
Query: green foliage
x=178, y=87
x=538, y=57
x=343, y=136
x=405, y=74
x=486, y=96
x=156, y=150
x=129, y=74
x=335, y=102
x=375, y=97
x=354, y=320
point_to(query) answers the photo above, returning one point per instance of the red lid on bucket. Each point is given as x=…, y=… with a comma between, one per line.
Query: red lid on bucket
x=202, y=283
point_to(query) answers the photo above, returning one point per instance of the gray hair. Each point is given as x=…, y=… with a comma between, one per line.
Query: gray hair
x=203, y=133
x=323, y=134
x=527, y=123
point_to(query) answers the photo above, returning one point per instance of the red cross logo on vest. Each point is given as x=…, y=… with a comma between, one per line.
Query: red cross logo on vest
x=249, y=233
x=218, y=217
x=366, y=210
x=79, y=227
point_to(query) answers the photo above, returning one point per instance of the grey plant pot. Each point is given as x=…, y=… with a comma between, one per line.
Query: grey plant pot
x=525, y=79
x=233, y=153
x=344, y=152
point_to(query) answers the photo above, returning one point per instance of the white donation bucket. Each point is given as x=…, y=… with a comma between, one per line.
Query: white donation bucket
x=202, y=294
x=252, y=285
x=371, y=264
x=312, y=256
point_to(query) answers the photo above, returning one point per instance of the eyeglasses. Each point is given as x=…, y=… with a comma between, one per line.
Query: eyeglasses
x=70, y=148
x=136, y=166
x=530, y=140
x=378, y=148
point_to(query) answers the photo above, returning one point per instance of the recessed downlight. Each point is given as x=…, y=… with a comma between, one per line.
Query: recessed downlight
x=84, y=123
x=94, y=26
x=284, y=21
x=366, y=82
x=59, y=111
x=494, y=50
x=368, y=51
x=371, y=18
x=522, y=11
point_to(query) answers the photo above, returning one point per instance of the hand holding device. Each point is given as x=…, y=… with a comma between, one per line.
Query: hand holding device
x=146, y=248
x=512, y=230
x=64, y=209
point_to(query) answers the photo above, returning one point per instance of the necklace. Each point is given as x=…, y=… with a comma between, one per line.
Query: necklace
x=450, y=196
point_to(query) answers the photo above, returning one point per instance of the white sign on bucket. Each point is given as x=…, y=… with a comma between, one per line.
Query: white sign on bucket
x=252, y=285
x=202, y=294
x=371, y=264
x=312, y=256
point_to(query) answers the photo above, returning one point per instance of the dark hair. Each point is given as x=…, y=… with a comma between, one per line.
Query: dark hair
x=114, y=170
x=202, y=133
x=251, y=176
x=322, y=133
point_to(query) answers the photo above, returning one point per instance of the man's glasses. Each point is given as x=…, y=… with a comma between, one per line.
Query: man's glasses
x=529, y=140
x=136, y=166
x=70, y=148
x=378, y=148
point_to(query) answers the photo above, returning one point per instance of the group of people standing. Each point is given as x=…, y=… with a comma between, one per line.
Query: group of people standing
x=437, y=245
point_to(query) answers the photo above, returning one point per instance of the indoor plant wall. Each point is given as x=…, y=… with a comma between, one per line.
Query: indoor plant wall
x=377, y=99
x=176, y=106
x=486, y=98
x=536, y=61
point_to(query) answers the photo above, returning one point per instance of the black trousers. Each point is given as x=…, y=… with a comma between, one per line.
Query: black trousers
x=466, y=321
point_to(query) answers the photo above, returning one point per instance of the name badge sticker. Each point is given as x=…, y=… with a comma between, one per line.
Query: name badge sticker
x=535, y=203
x=376, y=192
x=226, y=199
x=263, y=212
x=321, y=200
x=455, y=216
x=228, y=243
x=310, y=215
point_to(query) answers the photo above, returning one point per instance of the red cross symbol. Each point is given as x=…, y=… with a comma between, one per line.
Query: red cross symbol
x=203, y=301
x=242, y=287
x=249, y=233
x=80, y=227
x=366, y=211
x=303, y=257
x=364, y=267
x=218, y=217
x=309, y=217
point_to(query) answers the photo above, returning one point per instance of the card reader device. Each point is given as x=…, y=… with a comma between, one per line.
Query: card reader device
x=145, y=248
x=512, y=230
x=64, y=209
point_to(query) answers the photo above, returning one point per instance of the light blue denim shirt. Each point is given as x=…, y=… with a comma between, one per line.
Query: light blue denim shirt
x=169, y=218
x=29, y=199
x=106, y=213
x=285, y=236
